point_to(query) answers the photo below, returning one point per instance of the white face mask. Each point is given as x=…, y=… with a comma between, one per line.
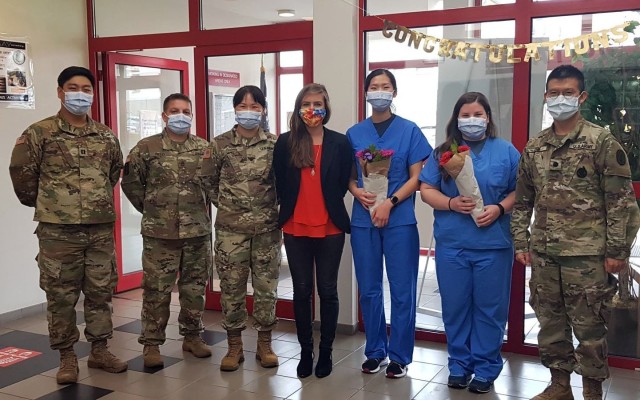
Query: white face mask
x=248, y=119
x=179, y=124
x=562, y=108
x=472, y=128
x=380, y=100
x=77, y=103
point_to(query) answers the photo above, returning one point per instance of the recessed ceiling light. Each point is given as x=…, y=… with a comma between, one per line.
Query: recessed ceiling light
x=286, y=13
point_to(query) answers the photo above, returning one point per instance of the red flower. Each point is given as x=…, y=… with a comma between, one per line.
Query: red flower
x=445, y=157
x=463, y=148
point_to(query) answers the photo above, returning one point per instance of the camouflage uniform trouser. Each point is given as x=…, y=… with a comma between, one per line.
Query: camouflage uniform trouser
x=74, y=258
x=572, y=293
x=237, y=255
x=162, y=260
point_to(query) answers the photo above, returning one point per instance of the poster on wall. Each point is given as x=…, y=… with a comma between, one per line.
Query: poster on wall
x=16, y=78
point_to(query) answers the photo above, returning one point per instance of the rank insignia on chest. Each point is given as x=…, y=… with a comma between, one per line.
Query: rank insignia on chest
x=206, y=154
x=83, y=152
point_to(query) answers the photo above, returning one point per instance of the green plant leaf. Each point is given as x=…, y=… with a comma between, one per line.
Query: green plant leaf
x=454, y=147
x=631, y=27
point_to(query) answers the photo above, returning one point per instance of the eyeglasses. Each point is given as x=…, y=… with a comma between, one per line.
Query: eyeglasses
x=565, y=93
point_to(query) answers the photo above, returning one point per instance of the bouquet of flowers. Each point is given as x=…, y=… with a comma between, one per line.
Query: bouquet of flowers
x=375, y=171
x=457, y=162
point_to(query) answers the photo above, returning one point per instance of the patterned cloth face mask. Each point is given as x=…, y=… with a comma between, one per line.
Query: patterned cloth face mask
x=313, y=117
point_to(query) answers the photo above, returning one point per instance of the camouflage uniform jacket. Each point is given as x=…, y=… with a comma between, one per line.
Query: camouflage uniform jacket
x=239, y=178
x=67, y=173
x=161, y=181
x=580, y=189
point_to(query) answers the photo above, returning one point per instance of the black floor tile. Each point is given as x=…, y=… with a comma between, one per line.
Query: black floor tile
x=49, y=359
x=137, y=364
x=210, y=337
x=213, y=337
x=131, y=327
x=77, y=391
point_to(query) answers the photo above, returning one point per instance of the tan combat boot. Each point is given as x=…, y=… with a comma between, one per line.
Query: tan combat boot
x=591, y=389
x=235, y=355
x=196, y=346
x=268, y=359
x=68, y=371
x=102, y=358
x=559, y=389
x=152, y=357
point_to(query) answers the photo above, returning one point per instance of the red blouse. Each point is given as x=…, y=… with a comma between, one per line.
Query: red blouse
x=310, y=217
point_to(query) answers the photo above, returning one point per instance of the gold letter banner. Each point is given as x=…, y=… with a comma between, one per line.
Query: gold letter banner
x=496, y=53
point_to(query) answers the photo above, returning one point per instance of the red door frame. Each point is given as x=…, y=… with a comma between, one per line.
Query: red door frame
x=522, y=12
x=134, y=279
x=284, y=308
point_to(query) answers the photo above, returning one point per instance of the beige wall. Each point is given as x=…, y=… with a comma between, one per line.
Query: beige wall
x=57, y=34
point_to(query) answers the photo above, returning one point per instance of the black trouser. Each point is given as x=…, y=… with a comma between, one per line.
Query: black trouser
x=302, y=251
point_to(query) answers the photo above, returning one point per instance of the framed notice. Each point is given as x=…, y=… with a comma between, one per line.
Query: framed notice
x=222, y=113
x=16, y=82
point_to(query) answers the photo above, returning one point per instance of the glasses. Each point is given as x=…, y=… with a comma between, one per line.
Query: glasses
x=565, y=93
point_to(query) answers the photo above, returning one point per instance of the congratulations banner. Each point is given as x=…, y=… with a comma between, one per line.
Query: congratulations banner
x=497, y=52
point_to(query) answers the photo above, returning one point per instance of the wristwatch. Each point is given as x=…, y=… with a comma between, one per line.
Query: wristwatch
x=394, y=200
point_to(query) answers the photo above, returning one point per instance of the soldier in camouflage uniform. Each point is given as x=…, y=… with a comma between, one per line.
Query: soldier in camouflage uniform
x=237, y=174
x=576, y=178
x=161, y=181
x=65, y=167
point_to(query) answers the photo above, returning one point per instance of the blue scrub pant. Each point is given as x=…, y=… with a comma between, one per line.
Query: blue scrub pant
x=401, y=249
x=474, y=288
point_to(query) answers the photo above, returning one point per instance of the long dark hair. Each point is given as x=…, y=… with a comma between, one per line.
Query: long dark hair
x=453, y=133
x=300, y=142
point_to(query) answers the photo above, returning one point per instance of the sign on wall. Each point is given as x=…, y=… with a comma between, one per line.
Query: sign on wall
x=224, y=78
x=16, y=83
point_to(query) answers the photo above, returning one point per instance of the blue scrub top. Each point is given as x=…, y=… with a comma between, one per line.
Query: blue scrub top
x=495, y=168
x=409, y=146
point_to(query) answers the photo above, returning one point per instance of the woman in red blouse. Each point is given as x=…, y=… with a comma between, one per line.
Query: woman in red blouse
x=312, y=165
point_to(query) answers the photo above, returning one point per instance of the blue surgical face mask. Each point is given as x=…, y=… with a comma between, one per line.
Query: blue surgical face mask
x=248, y=119
x=380, y=100
x=179, y=124
x=473, y=128
x=77, y=103
x=562, y=108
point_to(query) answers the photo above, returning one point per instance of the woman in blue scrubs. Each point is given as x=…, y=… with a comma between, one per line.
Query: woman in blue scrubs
x=473, y=262
x=390, y=232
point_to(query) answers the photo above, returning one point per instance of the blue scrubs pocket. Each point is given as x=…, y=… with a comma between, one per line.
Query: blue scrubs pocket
x=398, y=170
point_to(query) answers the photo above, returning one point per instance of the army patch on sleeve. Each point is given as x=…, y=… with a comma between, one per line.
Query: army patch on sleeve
x=21, y=140
x=206, y=154
x=621, y=158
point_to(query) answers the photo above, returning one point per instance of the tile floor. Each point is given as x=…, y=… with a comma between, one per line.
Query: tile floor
x=185, y=377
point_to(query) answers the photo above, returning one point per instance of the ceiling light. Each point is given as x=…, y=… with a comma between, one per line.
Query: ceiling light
x=286, y=13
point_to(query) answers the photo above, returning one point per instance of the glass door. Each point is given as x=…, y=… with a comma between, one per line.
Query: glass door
x=135, y=87
x=220, y=71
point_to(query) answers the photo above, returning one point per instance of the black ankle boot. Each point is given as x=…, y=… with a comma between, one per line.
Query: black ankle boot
x=325, y=364
x=305, y=366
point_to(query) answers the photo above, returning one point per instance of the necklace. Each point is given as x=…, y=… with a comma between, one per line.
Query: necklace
x=313, y=169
